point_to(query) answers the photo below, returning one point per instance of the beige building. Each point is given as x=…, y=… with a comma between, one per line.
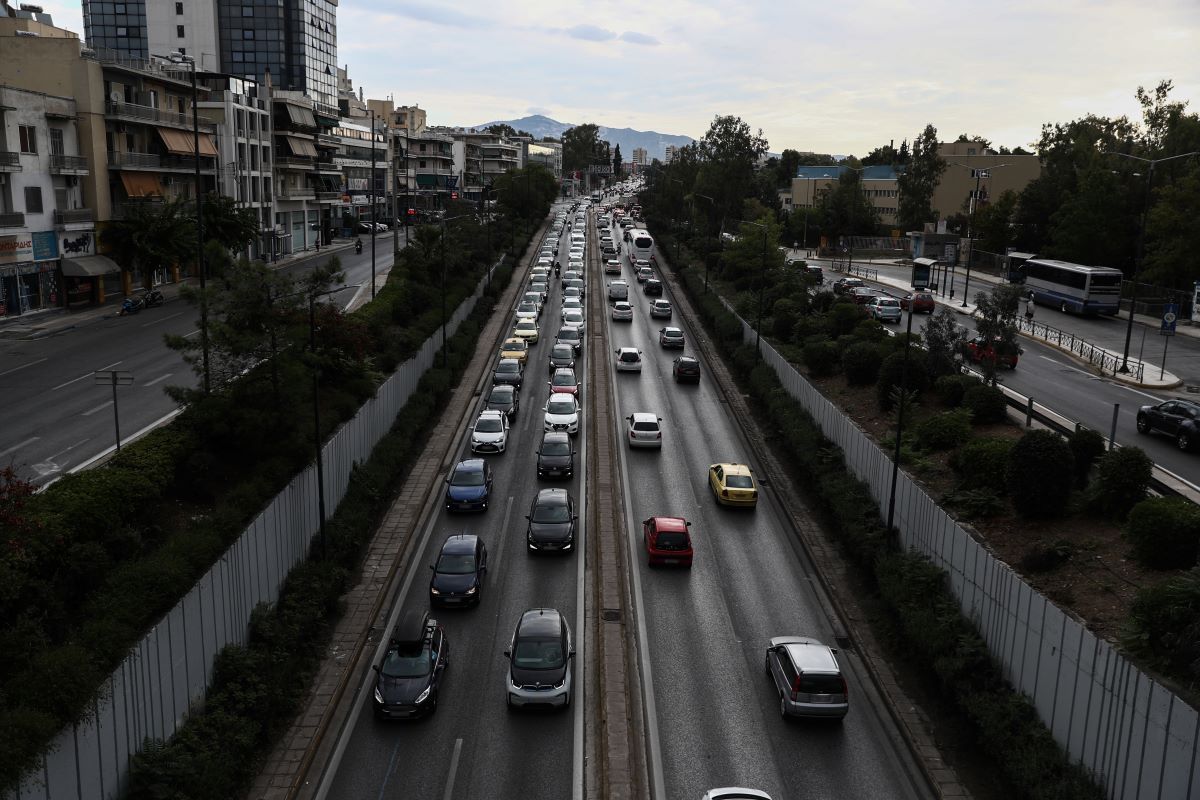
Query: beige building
x=879, y=184
x=969, y=162
x=640, y=156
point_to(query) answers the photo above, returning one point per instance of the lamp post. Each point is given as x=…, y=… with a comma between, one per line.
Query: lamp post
x=445, y=353
x=762, y=286
x=900, y=423
x=1141, y=242
x=374, y=220
x=719, y=241
x=979, y=175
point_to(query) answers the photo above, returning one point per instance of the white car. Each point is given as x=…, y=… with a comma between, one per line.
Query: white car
x=644, y=430
x=535, y=298
x=562, y=413
x=572, y=304
x=573, y=292
x=546, y=262
x=622, y=311
x=489, y=434
x=629, y=359
x=541, y=287
x=573, y=319
x=575, y=264
x=527, y=310
x=660, y=309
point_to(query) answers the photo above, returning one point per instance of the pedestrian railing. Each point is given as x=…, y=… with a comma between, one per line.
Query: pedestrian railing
x=1106, y=361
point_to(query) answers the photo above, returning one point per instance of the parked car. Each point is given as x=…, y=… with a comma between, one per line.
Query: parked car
x=807, y=678
x=504, y=397
x=1179, y=419
x=408, y=679
x=884, y=309
x=459, y=571
x=686, y=369
x=670, y=337
x=660, y=309
x=667, y=541
x=469, y=486
x=622, y=311
x=489, y=434
x=644, y=430
x=629, y=359
x=540, y=658
x=556, y=456
x=997, y=352
x=552, y=521
x=921, y=302
x=733, y=485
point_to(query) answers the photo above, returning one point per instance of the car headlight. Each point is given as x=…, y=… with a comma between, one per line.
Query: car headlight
x=378, y=696
x=433, y=590
x=473, y=590
x=423, y=696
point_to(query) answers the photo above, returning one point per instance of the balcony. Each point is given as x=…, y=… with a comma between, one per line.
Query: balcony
x=10, y=161
x=292, y=162
x=68, y=165
x=75, y=216
x=296, y=193
x=153, y=116
x=156, y=162
x=329, y=197
x=13, y=219
x=326, y=166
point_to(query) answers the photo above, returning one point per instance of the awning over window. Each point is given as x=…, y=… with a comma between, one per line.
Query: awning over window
x=184, y=144
x=88, y=266
x=302, y=117
x=301, y=147
x=427, y=180
x=141, y=184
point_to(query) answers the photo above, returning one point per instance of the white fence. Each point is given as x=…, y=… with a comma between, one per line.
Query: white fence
x=1137, y=738
x=150, y=693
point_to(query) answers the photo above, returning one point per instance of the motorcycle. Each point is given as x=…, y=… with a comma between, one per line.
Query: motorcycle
x=358, y=246
x=153, y=298
x=131, y=305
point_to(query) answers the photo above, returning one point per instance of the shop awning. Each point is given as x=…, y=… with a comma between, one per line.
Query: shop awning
x=301, y=147
x=88, y=266
x=184, y=144
x=302, y=117
x=141, y=184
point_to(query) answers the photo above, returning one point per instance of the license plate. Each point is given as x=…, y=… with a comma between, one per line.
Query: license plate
x=670, y=560
x=822, y=698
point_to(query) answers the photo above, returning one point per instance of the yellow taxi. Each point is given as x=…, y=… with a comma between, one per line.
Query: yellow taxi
x=526, y=329
x=515, y=348
x=733, y=485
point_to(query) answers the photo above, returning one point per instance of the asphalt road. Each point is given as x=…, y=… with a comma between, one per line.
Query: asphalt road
x=473, y=746
x=57, y=418
x=716, y=714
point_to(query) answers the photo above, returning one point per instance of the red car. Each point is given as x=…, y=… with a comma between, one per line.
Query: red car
x=862, y=295
x=667, y=541
x=980, y=351
x=922, y=302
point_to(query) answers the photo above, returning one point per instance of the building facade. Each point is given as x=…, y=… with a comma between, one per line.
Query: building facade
x=879, y=184
x=640, y=156
x=967, y=161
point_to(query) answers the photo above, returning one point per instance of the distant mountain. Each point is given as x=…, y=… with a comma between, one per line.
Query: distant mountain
x=654, y=142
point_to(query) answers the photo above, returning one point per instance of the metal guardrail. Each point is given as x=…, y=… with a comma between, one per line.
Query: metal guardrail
x=1105, y=360
x=850, y=268
x=74, y=215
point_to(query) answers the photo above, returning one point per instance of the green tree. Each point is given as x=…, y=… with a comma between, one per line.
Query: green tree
x=884, y=156
x=525, y=193
x=150, y=236
x=617, y=163
x=501, y=129
x=1094, y=223
x=996, y=322
x=743, y=259
x=232, y=226
x=1172, y=235
x=918, y=181
x=728, y=154
x=962, y=137
x=579, y=147
x=786, y=166
x=845, y=208
x=994, y=222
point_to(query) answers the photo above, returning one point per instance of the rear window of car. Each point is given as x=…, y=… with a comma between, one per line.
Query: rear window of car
x=645, y=426
x=672, y=540
x=820, y=683
x=739, y=481
x=629, y=356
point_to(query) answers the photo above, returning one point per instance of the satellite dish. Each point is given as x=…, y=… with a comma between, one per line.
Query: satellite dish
x=115, y=96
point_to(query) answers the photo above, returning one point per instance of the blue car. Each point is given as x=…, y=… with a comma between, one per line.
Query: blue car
x=469, y=486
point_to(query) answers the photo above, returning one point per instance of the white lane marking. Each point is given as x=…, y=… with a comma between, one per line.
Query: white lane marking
x=18, y=446
x=159, y=379
x=162, y=319
x=84, y=377
x=1138, y=391
x=453, y=770
x=391, y=766
x=1117, y=384
x=190, y=335
x=100, y=407
x=23, y=366
x=68, y=449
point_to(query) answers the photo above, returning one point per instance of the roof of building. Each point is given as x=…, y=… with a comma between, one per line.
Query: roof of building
x=873, y=173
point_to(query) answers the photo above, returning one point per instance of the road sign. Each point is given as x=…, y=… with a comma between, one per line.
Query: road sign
x=1170, y=315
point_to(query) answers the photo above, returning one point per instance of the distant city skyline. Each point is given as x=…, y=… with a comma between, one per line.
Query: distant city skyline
x=842, y=78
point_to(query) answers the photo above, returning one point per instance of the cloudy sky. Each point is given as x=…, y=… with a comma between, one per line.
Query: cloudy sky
x=840, y=77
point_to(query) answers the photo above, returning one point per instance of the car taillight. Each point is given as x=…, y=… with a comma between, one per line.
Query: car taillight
x=724, y=493
x=796, y=687
x=845, y=686
x=658, y=435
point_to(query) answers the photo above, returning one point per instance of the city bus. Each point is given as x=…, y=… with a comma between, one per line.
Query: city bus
x=1013, y=262
x=1073, y=287
x=641, y=245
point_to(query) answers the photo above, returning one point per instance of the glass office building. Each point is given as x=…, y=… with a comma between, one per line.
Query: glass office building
x=295, y=39
x=118, y=26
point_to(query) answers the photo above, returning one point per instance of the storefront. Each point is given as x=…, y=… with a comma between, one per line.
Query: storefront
x=87, y=277
x=29, y=273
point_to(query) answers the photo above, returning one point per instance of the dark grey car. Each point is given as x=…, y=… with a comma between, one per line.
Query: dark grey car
x=508, y=370
x=551, y=521
x=556, y=456
x=504, y=397
x=561, y=355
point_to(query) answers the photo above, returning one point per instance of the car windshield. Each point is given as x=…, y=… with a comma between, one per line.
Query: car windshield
x=573, y=316
x=467, y=477
x=569, y=333
x=560, y=407
x=407, y=663
x=538, y=654
x=556, y=449
x=489, y=425
x=505, y=367
x=563, y=379
x=456, y=564
x=561, y=351
x=502, y=394
x=527, y=307
x=739, y=482
x=551, y=513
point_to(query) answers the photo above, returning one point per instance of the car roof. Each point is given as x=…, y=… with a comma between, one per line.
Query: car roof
x=491, y=412
x=672, y=329
x=661, y=302
x=554, y=497
x=670, y=523
x=688, y=359
x=410, y=631
x=507, y=361
x=810, y=655
x=555, y=436
x=515, y=340
x=540, y=623
x=622, y=303
x=627, y=350
x=644, y=416
x=504, y=388
x=460, y=543
x=565, y=371
x=470, y=465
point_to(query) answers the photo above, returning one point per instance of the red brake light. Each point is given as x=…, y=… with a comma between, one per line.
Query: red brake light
x=845, y=686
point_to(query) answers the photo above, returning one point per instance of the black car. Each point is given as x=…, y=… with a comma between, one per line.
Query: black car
x=1177, y=418
x=459, y=571
x=556, y=456
x=846, y=285
x=551, y=521
x=407, y=682
x=652, y=287
x=686, y=369
x=504, y=397
x=540, y=656
x=508, y=370
x=561, y=355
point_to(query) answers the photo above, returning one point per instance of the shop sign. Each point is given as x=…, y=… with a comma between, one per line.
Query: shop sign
x=45, y=246
x=81, y=243
x=14, y=249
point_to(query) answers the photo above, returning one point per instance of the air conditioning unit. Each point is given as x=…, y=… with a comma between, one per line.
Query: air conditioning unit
x=72, y=180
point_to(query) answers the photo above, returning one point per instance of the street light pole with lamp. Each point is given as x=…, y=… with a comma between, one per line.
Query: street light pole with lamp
x=720, y=243
x=1141, y=243
x=979, y=174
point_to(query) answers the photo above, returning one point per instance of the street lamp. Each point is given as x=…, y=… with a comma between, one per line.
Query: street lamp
x=719, y=241
x=900, y=422
x=762, y=286
x=1141, y=242
x=979, y=174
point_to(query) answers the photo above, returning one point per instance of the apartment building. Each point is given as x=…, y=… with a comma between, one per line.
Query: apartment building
x=307, y=178
x=879, y=183
x=640, y=157
x=972, y=163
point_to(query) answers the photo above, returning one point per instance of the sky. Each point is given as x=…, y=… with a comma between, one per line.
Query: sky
x=833, y=77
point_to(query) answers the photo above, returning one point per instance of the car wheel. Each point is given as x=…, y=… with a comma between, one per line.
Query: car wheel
x=1183, y=440
x=508, y=701
x=1143, y=425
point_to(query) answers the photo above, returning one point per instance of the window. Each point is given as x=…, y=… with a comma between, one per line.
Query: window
x=183, y=51
x=179, y=8
x=247, y=34
x=247, y=11
x=122, y=31
x=28, y=138
x=33, y=200
x=56, y=141
x=179, y=31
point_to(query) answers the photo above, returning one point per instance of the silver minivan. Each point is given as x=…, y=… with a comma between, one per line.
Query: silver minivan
x=807, y=678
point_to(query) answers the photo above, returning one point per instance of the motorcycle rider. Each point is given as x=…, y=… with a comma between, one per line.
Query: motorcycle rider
x=358, y=245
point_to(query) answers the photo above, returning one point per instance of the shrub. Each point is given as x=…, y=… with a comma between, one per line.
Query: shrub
x=892, y=371
x=945, y=430
x=870, y=330
x=986, y=403
x=950, y=388
x=843, y=318
x=976, y=503
x=1040, y=474
x=1164, y=532
x=981, y=463
x=821, y=358
x=1164, y=625
x=1122, y=478
x=1086, y=446
x=860, y=363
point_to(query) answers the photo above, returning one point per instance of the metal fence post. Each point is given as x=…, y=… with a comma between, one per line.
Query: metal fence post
x=1112, y=434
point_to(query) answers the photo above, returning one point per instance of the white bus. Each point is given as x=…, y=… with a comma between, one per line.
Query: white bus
x=641, y=245
x=1073, y=287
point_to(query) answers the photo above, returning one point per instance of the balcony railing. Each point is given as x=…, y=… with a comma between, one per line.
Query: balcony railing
x=10, y=158
x=74, y=216
x=329, y=196
x=296, y=193
x=292, y=162
x=14, y=219
x=152, y=115
x=124, y=160
x=64, y=163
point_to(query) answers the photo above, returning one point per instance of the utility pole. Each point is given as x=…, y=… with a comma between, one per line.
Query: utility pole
x=374, y=215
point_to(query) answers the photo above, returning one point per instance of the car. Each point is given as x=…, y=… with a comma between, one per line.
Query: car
x=508, y=370
x=612, y=266
x=644, y=273
x=735, y=793
x=997, y=352
x=644, y=430
x=640, y=264
x=489, y=434
x=408, y=678
x=618, y=290
x=571, y=275
x=552, y=521
x=563, y=380
x=920, y=301
x=575, y=264
x=504, y=397
x=667, y=541
x=807, y=678
x=469, y=486
x=459, y=571
x=844, y=285
x=814, y=274
x=561, y=355
x=622, y=311
x=660, y=309
x=578, y=285
x=541, y=287
x=686, y=369
x=861, y=295
x=884, y=309
x=535, y=298
x=670, y=337
x=526, y=329
x=556, y=456
x=562, y=413
x=629, y=359
x=571, y=304
x=733, y=485
x=1179, y=419
x=570, y=335
x=540, y=661
x=515, y=348
x=574, y=319
x=652, y=287
x=527, y=310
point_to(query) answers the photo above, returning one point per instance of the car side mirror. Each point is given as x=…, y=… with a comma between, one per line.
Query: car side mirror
x=375, y=667
x=508, y=654
x=433, y=566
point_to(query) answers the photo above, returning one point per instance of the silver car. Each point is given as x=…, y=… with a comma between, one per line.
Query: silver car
x=540, y=661
x=884, y=309
x=807, y=678
x=645, y=430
